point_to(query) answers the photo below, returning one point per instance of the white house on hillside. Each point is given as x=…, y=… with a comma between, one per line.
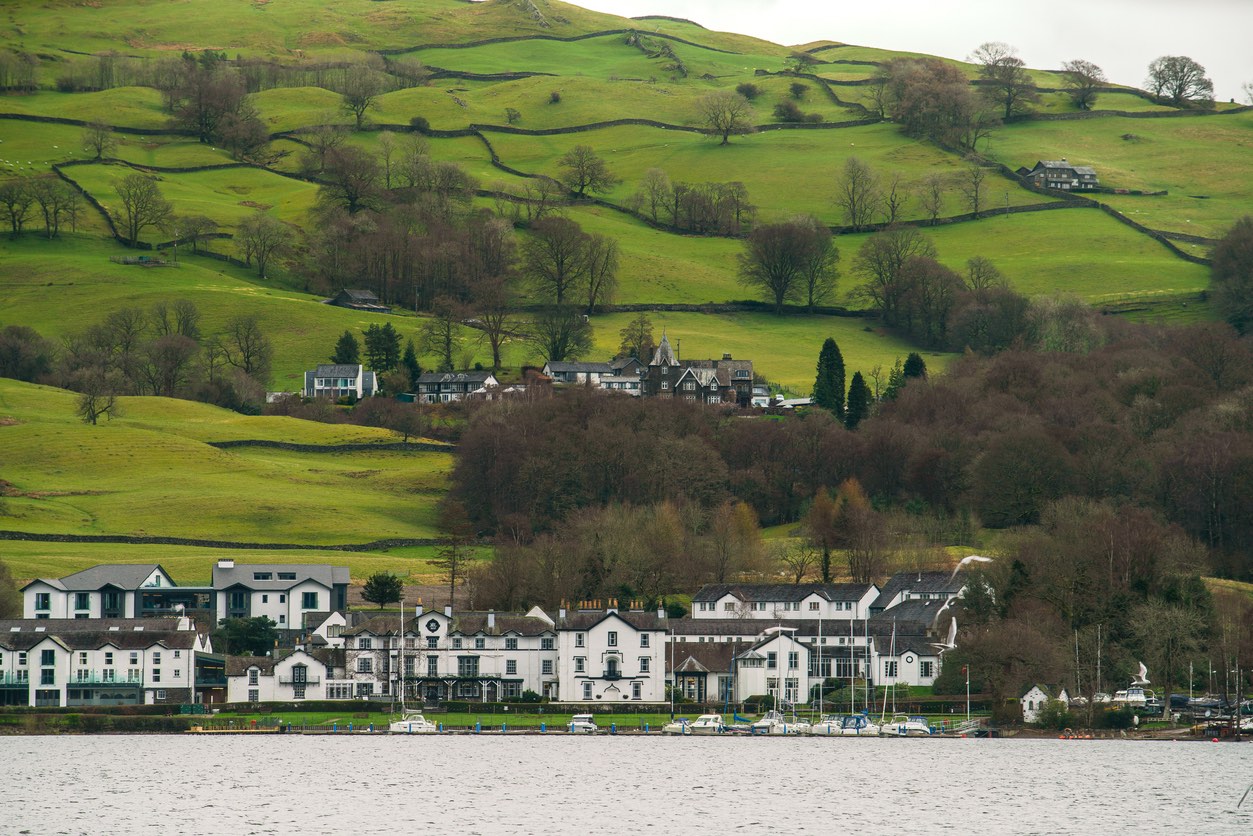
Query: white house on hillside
x=112, y=590
x=339, y=381
x=1034, y=701
x=281, y=592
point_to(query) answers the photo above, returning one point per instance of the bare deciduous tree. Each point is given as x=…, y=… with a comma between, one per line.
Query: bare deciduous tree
x=1083, y=79
x=1006, y=80
x=99, y=139
x=857, y=193
x=1179, y=80
x=361, y=90
x=142, y=205
x=931, y=197
x=725, y=112
x=261, y=237
x=972, y=186
x=582, y=170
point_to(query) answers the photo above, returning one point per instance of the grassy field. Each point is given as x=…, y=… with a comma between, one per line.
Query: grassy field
x=1198, y=159
x=61, y=287
x=783, y=349
x=786, y=172
x=192, y=565
x=133, y=477
x=225, y=195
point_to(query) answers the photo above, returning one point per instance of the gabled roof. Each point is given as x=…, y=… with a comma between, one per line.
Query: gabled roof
x=469, y=623
x=122, y=575
x=239, y=665
x=707, y=378
x=705, y=657
x=94, y=633
x=638, y=620
x=1064, y=165
x=779, y=592
x=916, y=612
x=360, y=295
x=620, y=363
x=242, y=574
x=919, y=582
x=456, y=377
x=337, y=370
x=560, y=366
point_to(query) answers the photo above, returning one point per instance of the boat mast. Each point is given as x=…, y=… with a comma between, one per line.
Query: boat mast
x=852, y=669
x=892, y=655
x=821, y=680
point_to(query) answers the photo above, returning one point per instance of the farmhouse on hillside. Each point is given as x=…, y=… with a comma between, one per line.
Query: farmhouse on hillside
x=1060, y=174
x=340, y=380
x=704, y=381
x=358, y=300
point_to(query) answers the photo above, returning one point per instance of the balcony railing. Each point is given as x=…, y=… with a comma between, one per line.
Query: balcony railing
x=14, y=678
x=612, y=675
x=211, y=682
x=100, y=678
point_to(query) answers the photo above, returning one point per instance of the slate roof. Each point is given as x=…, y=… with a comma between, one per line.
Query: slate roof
x=455, y=377
x=664, y=355
x=93, y=633
x=778, y=592
x=638, y=620
x=472, y=623
x=561, y=366
x=123, y=575
x=242, y=574
x=706, y=657
x=807, y=628
x=239, y=665
x=916, y=611
x=620, y=363
x=359, y=295
x=337, y=370
x=1063, y=164
x=919, y=582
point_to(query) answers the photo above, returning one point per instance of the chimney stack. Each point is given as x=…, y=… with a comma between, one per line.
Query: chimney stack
x=448, y=611
x=417, y=610
x=491, y=619
x=226, y=563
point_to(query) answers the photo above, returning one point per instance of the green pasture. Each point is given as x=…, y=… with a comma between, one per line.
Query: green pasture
x=603, y=57
x=130, y=107
x=29, y=559
x=61, y=287
x=787, y=172
x=281, y=29
x=783, y=349
x=1200, y=160
x=225, y=195
x=65, y=476
x=291, y=108
x=1080, y=251
x=661, y=267
x=30, y=148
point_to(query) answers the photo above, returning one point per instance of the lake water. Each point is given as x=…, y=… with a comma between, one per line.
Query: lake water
x=619, y=785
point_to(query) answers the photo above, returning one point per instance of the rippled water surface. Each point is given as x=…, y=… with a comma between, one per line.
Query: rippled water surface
x=585, y=785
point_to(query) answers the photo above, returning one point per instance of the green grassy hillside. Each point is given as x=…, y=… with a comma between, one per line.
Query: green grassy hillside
x=150, y=473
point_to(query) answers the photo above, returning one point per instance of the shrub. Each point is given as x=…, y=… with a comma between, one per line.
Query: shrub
x=554, y=97
x=420, y=124
x=788, y=111
x=748, y=90
x=1055, y=715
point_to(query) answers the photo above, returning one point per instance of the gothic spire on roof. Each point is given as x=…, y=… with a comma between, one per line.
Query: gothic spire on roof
x=664, y=356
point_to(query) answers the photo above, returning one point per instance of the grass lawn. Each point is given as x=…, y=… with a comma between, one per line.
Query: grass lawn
x=783, y=349
x=786, y=172
x=128, y=477
x=1200, y=160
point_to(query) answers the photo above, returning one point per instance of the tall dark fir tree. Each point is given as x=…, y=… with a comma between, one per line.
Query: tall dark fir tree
x=915, y=366
x=859, y=400
x=347, y=350
x=829, y=385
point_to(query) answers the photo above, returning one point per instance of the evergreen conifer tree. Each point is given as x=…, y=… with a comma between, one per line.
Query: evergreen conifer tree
x=859, y=399
x=915, y=366
x=896, y=381
x=347, y=350
x=410, y=364
x=829, y=386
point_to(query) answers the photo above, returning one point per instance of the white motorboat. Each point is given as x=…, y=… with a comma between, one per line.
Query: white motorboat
x=772, y=722
x=412, y=722
x=859, y=725
x=708, y=724
x=831, y=725
x=680, y=726
x=905, y=726
x=582, y=724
